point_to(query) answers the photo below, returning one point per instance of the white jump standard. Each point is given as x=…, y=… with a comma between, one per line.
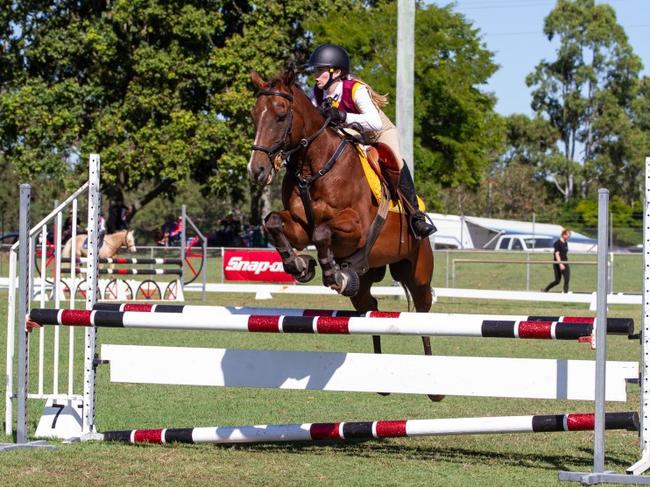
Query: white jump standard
x=415, y=324
x=368, y=430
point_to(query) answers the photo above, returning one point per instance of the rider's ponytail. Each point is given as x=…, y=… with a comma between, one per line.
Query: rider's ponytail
x=379, y=100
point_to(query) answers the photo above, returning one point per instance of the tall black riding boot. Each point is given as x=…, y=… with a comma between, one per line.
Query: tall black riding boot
x=420, y=225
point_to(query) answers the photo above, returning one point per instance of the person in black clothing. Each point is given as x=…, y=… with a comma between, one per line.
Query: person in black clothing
x=560, y=267
x=118, y=214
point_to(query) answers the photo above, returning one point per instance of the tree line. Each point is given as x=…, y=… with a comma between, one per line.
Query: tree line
x=162, y=90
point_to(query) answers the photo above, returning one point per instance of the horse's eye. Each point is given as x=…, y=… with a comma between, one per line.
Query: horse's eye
x=282, y=116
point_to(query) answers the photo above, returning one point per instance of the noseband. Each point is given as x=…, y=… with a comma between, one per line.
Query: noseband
x=277, y=153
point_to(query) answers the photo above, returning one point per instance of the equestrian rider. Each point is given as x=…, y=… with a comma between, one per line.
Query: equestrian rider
x=347, y=101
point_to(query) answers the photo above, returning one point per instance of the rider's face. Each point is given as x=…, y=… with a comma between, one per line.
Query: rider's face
x=323, y=75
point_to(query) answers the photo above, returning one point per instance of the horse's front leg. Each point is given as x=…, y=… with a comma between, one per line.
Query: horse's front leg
x=285, y=235
x=345, y=282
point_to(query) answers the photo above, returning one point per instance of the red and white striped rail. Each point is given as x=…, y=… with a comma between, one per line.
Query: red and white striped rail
x=128, y=260
x=129, y=272
x=367, y=430
x=615, y=326
x=416, y=324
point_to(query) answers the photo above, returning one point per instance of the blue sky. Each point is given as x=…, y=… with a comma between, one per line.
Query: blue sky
x=512, y=29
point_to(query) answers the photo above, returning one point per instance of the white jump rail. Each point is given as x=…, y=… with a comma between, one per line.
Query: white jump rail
x=367, y=430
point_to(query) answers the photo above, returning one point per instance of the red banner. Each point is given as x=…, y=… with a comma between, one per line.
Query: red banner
x=254, y=265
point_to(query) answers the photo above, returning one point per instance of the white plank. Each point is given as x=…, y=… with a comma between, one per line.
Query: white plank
x=331, y=371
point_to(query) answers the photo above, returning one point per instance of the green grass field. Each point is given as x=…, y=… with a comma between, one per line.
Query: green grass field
x=524, y=459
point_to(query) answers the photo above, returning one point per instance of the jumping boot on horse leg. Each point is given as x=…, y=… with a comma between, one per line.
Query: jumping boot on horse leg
x=343, y=281
x=420, y=225
x=301, y=267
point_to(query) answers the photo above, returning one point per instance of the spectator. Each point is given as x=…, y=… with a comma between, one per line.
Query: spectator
x=172, y=232
x=166, y=229
x=560, y=258
x=229, y=231
x=258, y=238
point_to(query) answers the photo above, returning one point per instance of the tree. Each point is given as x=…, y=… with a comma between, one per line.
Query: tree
x=586, y=93
x=529, y=141
x=512, y=191
x=456, y=129
x=159, y=88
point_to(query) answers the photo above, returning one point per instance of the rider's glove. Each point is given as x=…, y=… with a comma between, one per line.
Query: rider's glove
x=335, y=116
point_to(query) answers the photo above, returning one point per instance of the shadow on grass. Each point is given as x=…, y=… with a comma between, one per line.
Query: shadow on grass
x=582, y=459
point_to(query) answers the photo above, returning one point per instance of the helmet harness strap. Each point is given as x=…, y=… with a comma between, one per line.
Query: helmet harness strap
x=331, y=79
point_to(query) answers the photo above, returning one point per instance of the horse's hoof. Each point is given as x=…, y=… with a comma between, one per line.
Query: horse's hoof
x=436, y=397
x=350, y=286
x=309, y=268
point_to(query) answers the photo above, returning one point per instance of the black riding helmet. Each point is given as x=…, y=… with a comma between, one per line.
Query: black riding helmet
x=330, y=56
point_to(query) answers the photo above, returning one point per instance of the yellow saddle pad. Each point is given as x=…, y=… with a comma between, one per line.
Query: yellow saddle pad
x=375, y=184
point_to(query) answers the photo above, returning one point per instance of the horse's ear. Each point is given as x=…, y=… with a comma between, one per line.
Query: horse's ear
x=257, y=79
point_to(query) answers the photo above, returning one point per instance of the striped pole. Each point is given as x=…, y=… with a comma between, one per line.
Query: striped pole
x=367, y=430
x=417, y=324
x=129, y=260
x=615, y=326
x=128, y=272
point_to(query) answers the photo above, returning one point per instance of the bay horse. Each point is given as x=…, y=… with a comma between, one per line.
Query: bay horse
x=328, y=203
x=110, y=247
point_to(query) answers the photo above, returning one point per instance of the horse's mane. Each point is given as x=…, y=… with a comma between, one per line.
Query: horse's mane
x=287, y=78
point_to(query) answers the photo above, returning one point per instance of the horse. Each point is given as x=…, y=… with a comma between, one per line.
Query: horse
x=328, y=203
x=110, y=247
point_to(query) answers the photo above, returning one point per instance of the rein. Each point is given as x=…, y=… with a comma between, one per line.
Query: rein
x=278, y=155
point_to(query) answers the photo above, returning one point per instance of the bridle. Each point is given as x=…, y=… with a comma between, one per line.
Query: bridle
x=278, y=153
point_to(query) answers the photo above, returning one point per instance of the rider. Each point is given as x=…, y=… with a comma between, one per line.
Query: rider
x=347, y=100
x=117, y=214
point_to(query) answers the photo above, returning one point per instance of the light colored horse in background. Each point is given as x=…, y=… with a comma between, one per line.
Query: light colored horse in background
x=110, y=248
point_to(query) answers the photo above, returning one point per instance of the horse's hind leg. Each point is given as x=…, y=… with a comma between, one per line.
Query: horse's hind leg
x=416, y=277
x=365, y=301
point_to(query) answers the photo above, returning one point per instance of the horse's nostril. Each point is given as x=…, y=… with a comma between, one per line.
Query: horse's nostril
x=261, y=175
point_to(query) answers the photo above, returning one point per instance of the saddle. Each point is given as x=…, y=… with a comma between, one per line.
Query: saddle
x=381, y=168
x=383, y=161
x=100, y=241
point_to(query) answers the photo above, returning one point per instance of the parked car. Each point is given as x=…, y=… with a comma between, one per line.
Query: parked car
x=543, y=243
x=9, y=238
x=528, y=243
